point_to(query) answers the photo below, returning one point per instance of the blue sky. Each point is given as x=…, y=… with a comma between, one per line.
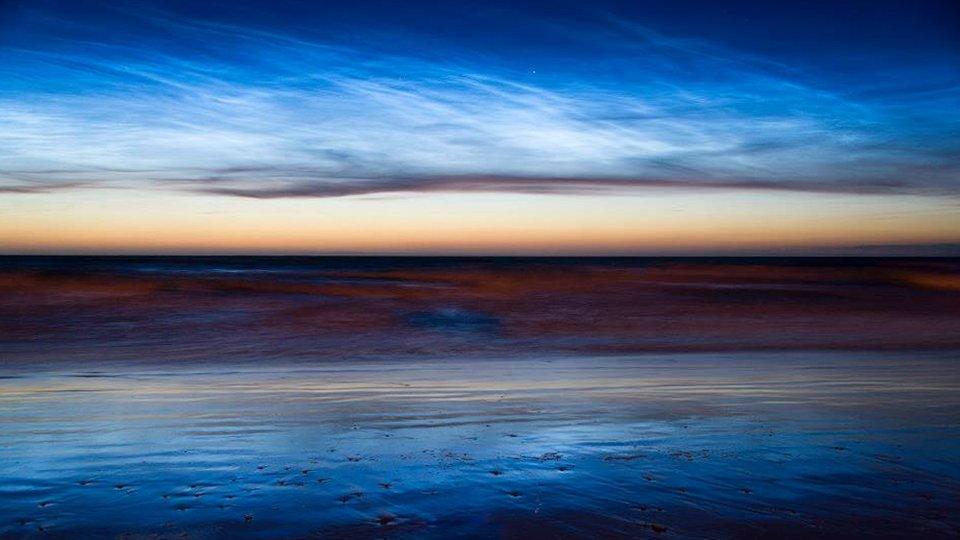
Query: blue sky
x=283, y=100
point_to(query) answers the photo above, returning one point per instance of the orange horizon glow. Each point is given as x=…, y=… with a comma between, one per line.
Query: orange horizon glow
x=119, y=221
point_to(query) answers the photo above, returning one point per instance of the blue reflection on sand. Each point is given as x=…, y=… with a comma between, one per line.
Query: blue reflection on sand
x=777, y=444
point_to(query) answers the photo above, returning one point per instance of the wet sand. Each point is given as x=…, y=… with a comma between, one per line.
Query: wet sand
x=719, y=445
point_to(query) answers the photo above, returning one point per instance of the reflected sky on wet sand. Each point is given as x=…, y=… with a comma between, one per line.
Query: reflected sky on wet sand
x=682, y=445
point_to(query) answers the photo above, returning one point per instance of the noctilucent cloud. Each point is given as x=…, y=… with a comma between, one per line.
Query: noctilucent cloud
x=279, y=100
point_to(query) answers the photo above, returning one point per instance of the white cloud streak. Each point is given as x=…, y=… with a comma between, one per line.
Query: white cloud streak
x=275, y=115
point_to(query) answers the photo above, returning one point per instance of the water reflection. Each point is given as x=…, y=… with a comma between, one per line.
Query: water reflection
x=771, y=444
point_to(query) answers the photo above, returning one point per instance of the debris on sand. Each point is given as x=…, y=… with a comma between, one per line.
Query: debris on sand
x=455, y=456
x=623, y=457
x=688, y=455
x=345, y=498
x=888, y=458
x=292, y=483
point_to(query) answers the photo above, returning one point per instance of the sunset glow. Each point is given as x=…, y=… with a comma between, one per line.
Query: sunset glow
x=167, y=129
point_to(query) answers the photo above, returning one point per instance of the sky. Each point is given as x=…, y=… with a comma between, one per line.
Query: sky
x=683, y=127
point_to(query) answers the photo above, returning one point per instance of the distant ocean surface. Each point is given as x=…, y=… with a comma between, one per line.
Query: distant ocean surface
x=216, y=308
x=288, y=397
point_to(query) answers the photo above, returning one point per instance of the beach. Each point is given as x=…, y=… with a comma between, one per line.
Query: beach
x=748, y=445
x=210, y=398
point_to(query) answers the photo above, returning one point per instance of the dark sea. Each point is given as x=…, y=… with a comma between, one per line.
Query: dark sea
x=419, y=397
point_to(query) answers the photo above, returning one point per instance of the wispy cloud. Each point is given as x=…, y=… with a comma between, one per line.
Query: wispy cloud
x=264, y=114
x=582, y=185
